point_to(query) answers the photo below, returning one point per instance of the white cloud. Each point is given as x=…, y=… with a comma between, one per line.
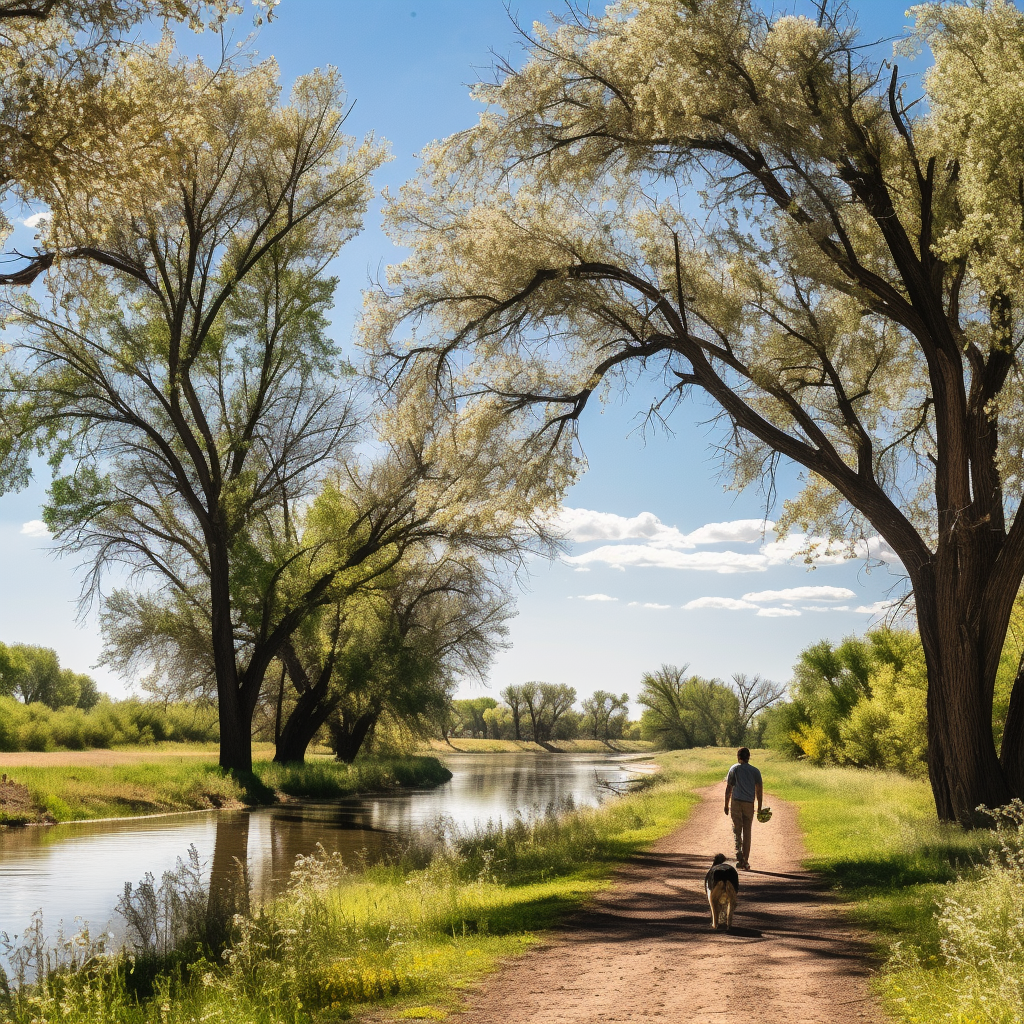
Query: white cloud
x=801, y=594
x=581, y=568
x=775, y=613
x=648, y=604
x=583, y=525
x=730, y=603
x=595, y=597
x=824, y=608
x=36, y=219
x=739, y=531
x=875, y=609
x=35, y=528
x=619, y=556
x=666, y=547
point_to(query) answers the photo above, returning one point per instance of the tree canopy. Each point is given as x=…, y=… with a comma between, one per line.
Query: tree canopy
x=750, y=206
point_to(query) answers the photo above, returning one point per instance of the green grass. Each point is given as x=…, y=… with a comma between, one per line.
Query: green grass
x=324, y=780
x=88, y=792
x=875, y=836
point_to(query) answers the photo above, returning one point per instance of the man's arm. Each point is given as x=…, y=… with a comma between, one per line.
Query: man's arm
x=728, y=795
x=760, y=795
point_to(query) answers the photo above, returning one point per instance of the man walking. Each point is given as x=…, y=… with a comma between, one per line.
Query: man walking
x=742, y=788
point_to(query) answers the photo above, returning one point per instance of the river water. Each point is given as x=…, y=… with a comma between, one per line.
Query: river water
x=74, y=873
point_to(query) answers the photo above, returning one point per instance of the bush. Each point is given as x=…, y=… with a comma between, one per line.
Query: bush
x=107, y=724
x=860, y=703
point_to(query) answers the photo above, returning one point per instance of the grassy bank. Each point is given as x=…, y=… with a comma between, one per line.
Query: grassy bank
x=409, y=935
x=953, y=950
x=471, y=746
x=83, y=792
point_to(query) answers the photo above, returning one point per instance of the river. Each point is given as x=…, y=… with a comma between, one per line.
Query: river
x=74, y=873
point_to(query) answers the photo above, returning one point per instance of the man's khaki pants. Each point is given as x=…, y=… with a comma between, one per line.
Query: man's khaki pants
x=742, y=823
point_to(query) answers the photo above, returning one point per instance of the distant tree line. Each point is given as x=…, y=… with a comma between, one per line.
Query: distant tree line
x=541, y=712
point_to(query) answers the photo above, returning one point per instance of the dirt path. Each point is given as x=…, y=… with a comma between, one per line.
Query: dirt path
x=644, y=950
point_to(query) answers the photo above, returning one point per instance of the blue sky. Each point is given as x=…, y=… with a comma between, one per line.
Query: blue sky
x=618, y=607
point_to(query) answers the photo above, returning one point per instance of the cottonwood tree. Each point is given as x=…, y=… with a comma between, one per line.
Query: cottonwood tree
x=470, y=714
x=70, y=120
x=599, y=709
x=392, y=650
x=512, y=695
x=34, y=675
x=433, y=519
x=748, y=206
x=687, y=711
x=183, y=369
x=756, y=695
x=545, y=703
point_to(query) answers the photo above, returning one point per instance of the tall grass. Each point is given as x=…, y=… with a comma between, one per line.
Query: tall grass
x=325, y=779
x=875, y=836
x=977, y=975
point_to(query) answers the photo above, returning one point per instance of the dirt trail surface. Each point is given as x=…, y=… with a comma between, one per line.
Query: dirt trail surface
x=644, y=950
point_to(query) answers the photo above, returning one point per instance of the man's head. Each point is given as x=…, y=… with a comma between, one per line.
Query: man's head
x=743, y=754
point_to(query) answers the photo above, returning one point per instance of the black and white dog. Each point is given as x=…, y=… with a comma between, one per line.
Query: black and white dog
x=721, y=883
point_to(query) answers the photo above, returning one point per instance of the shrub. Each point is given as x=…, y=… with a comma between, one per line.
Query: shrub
x=860, y=703
x=108, y=724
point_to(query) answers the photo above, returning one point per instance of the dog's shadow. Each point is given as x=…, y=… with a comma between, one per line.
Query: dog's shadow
x=743, y=933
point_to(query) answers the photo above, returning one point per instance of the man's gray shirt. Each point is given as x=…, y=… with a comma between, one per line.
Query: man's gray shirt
x=743, y=778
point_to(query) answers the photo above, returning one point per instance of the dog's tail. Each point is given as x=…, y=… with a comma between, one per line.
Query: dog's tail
x=719, y=858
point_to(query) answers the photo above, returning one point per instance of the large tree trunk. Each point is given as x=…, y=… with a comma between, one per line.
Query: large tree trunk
x=1011, y=753
x=349, y=735
x=963, y=768
x=235, y=722
x=310, y=712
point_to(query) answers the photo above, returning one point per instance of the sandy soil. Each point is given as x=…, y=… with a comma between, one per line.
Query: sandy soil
x=99, y=758
x=644, y=949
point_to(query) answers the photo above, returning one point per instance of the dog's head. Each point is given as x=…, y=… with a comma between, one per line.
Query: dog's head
x=719, y=859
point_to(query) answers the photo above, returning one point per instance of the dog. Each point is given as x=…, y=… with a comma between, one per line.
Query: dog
x=721, y=883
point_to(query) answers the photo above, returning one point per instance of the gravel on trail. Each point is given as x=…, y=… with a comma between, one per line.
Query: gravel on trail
x=643, y=950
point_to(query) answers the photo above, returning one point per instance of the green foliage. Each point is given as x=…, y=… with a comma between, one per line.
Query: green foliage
x=469, y=717
x=687, y=711
x=604, y=715
x=195, y=781
x=946, y=905
x=861, y=703
x=324, y=780
x=106, y=724
x=34, y=674
x=978, y=973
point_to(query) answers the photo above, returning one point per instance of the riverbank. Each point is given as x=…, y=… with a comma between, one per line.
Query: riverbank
x=403, y=937
x=139, y=785
x=477, y=746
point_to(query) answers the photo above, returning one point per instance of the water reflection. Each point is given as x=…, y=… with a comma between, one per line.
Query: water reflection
x=77, y=871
